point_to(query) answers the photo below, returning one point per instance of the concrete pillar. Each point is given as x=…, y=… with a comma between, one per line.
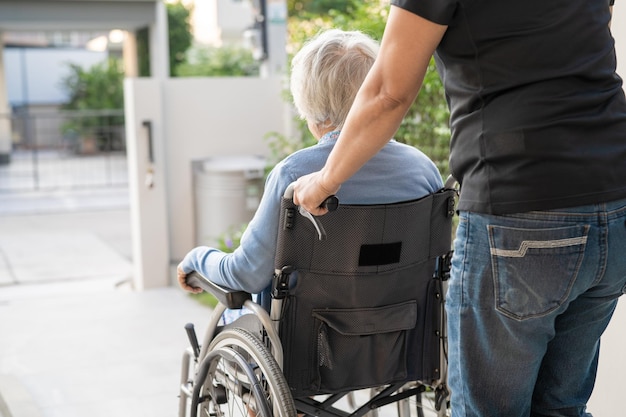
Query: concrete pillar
x=147, y=182
x=145, y=127
x=5, y=113
x=276, y=27
x=129, y=54
x=159, y=43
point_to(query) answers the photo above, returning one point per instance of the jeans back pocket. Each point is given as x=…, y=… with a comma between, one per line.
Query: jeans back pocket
x=534, y=269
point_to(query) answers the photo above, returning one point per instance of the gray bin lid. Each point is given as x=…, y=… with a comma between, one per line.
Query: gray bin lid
x=252, y=166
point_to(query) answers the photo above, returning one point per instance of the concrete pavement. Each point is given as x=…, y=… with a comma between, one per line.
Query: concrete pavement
x=74, y=350
x=75, y=339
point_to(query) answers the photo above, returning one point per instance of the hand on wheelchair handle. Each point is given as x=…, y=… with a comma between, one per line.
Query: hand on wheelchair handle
x=182, y=281
x=310, y=192
x=331, y=203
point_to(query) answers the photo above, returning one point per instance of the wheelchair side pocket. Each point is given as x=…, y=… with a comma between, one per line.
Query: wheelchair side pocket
x=362, y=347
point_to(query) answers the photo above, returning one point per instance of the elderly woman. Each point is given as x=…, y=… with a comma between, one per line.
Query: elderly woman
x=326, y=75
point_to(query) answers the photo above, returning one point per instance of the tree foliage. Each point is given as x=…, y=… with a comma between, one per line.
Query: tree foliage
x=218, y=62
x=319, y=7
x=179, y=35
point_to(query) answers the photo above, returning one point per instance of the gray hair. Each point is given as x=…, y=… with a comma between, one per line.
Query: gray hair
x=326, y=75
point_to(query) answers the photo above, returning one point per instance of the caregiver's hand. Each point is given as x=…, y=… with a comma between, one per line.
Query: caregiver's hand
x=310, y=191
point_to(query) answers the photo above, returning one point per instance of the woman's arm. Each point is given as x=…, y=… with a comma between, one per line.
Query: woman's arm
x=383, y=100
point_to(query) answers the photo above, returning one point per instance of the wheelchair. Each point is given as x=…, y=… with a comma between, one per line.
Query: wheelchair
x=356, y=324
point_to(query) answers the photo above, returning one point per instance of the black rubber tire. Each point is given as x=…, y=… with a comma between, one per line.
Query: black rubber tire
x=268, y=373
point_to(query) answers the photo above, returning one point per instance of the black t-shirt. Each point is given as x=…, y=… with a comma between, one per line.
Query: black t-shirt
x=538, y=115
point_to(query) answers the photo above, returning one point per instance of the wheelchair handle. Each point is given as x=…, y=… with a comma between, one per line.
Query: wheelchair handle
x=331, y=203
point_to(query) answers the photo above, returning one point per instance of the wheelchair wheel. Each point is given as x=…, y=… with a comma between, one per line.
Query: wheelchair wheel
x=243, y=379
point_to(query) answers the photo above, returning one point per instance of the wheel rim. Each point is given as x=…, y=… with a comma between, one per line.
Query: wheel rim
x=240, y=371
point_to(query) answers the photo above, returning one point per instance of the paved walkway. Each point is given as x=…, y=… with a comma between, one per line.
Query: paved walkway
x=75, y=339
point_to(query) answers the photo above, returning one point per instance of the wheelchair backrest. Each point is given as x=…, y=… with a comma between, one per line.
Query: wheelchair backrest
x=365, y=308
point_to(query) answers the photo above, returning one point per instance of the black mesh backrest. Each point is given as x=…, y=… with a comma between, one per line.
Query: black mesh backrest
x=363, y=311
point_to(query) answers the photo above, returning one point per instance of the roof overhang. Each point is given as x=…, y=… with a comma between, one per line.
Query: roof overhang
x=76, y=15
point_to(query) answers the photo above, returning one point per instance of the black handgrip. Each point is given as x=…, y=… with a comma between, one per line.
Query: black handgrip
x=193, y=340
x=331, y=203
x=232, y=299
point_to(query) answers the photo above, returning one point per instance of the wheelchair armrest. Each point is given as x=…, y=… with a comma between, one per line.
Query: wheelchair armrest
x=230, y=298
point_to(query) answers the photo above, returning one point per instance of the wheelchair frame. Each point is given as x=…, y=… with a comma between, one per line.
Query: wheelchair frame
x=235, y=355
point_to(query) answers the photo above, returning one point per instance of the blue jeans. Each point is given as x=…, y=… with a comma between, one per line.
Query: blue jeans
x=528, y=299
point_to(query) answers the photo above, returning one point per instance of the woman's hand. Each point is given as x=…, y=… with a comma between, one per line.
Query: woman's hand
x=309, y=193
x=182, y=281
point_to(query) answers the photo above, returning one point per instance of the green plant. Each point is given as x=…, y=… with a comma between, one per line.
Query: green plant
x=97, y=87
x=231, y=239
x=426, y=125
x=228, y=60
x=281, y=145
x=90, y=91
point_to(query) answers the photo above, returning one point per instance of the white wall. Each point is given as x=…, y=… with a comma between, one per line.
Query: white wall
x=217, y=22
x=233, y=17
x=607, y=399
x=214, y=117
x=194, y=118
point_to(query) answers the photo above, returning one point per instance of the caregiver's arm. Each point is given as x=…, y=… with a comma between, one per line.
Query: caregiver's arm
x=383, y=100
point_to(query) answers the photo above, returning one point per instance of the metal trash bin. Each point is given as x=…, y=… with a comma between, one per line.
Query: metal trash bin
x=227, y=191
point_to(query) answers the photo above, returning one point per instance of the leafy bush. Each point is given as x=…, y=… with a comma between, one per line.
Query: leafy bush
x=91, y=92
x=95, y=88
x=231, y=61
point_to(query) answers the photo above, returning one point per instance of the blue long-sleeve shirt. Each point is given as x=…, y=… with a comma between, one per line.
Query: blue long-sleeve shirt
x=397, y=173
